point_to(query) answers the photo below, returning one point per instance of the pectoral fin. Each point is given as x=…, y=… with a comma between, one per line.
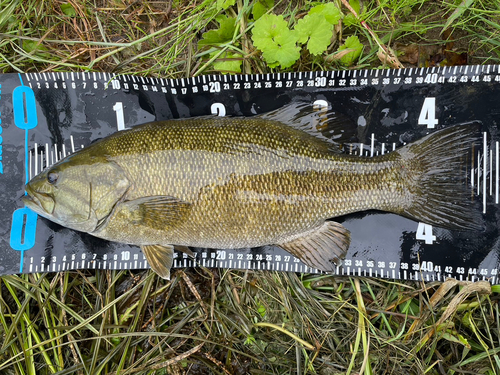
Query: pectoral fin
x=160, y=258
x=158, y=212
x=318, y=248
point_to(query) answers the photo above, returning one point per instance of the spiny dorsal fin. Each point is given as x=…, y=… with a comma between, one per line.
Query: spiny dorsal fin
x=160, y=258
x=158, y=212
x=322, y=246
x=324, y=123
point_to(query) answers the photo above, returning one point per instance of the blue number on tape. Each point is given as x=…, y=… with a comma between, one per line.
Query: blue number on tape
x=23, y=218
x=23, y=101
x=23, y=229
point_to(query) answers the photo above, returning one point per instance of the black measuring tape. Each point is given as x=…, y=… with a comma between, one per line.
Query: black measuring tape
x=46, y=116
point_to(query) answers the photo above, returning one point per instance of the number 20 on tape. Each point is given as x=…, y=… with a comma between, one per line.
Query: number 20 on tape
x=23, y=230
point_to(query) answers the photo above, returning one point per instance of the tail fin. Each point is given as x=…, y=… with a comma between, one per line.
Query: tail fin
x=436, y=171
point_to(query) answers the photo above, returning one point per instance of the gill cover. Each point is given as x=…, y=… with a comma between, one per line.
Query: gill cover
x=108, y=185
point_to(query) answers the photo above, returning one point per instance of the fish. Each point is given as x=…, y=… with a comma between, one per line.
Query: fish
x=242, y=182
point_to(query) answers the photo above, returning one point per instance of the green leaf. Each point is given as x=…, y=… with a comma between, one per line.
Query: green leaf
x=34, y=48
x=316, y=31
x=353, y=44
x=350, y=19
x=261, y=7
x=307, y=284
x=454, y=336
x=464, y=5
x=329, y=10
x=221, y=35
x=224, y=4
x=227, y=61
x=68, y=9
x=410, y=307
x=277, y=42
x=262, y=311
x=495, y=288
x=355, y=4
x=250, y=340
x=285, y=51
x=228, y=66
x=266, y=28
x=231, y=65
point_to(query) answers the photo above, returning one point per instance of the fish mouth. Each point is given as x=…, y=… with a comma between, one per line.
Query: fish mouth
x=39, y=202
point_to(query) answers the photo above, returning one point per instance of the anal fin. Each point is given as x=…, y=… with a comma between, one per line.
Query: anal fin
x=322, y=246
x=160, y=258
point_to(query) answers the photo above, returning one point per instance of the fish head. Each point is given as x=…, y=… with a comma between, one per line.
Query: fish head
x=78, y=193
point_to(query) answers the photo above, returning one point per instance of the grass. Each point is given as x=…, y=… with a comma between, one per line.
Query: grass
x=225, y=321
x=234, y=322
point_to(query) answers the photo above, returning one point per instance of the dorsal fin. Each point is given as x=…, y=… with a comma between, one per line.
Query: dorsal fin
x=330, y=126
x=324, y=123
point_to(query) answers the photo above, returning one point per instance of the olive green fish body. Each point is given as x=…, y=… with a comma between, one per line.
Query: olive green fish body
x=248, y=182
x=245, y=182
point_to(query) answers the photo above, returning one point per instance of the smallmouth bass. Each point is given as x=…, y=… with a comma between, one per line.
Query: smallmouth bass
x=235, y=182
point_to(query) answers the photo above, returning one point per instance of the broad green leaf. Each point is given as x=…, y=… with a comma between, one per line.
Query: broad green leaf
x=221, y=35
x=355, y=5
x=266, y=28
x=354, y=45
x=233, y=65
x=329, y=10
x=224, y=4
x=495, y=288
x=35, y=48
x=316, y=31
x=68, y=9
x=350, y=19
x=261, y=7
x=277, y=43
x=30, y=45
x=284, y=51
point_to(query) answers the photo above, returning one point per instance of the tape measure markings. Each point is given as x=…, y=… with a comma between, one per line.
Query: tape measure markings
x=485, y=159
x=115, y=264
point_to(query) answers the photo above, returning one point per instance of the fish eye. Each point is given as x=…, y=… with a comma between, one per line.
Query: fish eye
x=52, y=177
